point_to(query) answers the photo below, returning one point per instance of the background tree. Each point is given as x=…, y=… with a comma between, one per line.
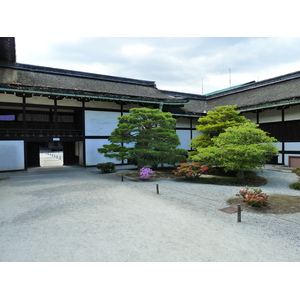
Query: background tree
x=239, y=148
x=146, y=137
x=215, y=122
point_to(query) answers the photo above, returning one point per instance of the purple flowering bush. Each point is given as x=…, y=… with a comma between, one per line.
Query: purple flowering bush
x=146, y=173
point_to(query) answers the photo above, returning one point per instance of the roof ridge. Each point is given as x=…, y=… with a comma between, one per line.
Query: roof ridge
x=253, y=85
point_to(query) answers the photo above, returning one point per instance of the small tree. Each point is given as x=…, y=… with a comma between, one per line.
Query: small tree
x=240, y=148
x=215, y=122
x=146, y=137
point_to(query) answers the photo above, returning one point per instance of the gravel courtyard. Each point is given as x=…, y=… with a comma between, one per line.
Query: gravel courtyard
x=71, y=214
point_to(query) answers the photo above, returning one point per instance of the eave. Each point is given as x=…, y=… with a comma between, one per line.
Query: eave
x=86, y=96
x=284, y=103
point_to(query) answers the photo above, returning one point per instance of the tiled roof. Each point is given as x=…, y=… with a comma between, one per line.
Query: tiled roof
x=34, y=78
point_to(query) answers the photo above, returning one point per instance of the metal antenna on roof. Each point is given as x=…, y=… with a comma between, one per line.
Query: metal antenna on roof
x=202, y=85
x=229, y=77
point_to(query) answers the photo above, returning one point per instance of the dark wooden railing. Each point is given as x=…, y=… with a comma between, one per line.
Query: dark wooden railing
x=39, y=133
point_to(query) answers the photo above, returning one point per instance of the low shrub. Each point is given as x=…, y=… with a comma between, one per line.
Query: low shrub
x=254, y=197
x=295, y=186
x=297, y=171
x=191, y=171
x=108, y=167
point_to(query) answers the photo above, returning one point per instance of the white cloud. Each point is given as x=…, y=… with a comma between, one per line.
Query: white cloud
x=136, y=51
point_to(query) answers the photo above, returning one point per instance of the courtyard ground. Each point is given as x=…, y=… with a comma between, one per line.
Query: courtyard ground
x=72, y=214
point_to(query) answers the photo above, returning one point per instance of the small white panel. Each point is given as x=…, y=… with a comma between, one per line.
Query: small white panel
x=93, y=157
x=12, y=155
x=100, y=123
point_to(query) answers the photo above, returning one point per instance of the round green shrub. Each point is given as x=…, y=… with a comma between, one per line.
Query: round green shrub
x=108, y=167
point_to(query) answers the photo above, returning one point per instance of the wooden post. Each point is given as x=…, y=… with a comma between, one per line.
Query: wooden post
x=157, y=189
x=239, y=213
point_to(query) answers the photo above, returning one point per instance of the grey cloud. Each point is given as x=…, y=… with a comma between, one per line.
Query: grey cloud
x=177, y=61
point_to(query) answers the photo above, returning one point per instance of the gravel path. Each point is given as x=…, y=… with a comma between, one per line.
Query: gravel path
x=75, y=214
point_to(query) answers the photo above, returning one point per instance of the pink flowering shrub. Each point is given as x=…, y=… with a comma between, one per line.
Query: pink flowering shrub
x=145, y=173
x=254, y=197
x=190, y=170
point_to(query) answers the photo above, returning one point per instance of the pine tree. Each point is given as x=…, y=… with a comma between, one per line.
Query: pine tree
x=240, y=148
x=145, y=137
x=215, y=122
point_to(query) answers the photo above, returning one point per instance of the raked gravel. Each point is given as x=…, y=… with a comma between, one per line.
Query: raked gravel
x=73, y=214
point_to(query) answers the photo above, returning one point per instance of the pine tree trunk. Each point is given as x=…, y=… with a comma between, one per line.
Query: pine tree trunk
x=241, y=176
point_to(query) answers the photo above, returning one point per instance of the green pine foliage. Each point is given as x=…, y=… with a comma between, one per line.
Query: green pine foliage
x=146, y=137
x=215, y=122
x=242, y=148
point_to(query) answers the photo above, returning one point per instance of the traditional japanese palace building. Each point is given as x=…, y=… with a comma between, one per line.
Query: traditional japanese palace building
x=43, y=107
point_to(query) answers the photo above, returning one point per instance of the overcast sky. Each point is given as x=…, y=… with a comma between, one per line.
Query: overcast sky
x=192, y=65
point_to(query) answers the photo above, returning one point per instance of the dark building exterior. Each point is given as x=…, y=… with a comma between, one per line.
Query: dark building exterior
x=77, y=111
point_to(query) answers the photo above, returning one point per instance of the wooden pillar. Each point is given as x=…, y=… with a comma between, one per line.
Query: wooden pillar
x=83, y=133
x=191, y=130
x=55, y=119
x=283, y=136
x=25, y=133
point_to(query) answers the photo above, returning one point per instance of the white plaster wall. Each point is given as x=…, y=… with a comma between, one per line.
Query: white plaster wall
x=10, y=98
x=39, y=100
x=288, y=147
x=93, y=157
x=185, y=139
x=183, y=122
x=100, y=123
x=69, y=102
x=280, y=159
x=292, y=146
x=292, y=113
x=12, y=155
x=269, y=116
x=278, y=146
